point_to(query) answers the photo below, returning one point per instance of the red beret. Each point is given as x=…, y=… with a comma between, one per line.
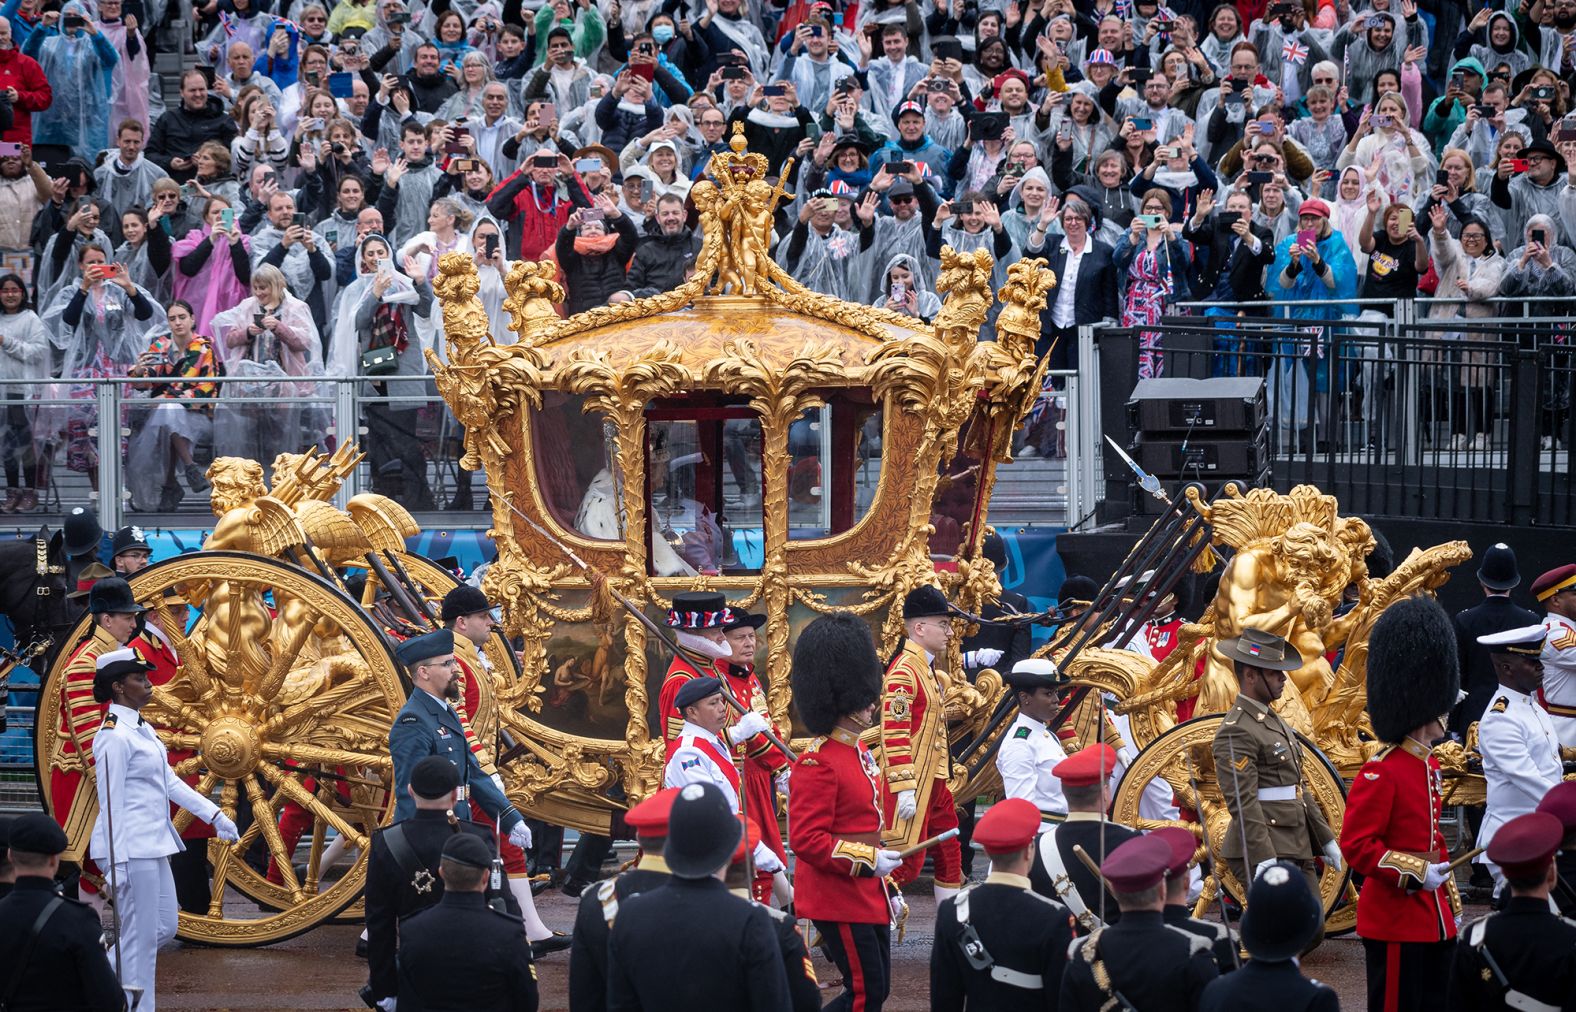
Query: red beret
x=1009, y=825
x=1137, y=864
x=1183, y=846
x=650, y=817
x=1554, y=581
x=1560, y=802
x=1085, y=767
x=1524, y=846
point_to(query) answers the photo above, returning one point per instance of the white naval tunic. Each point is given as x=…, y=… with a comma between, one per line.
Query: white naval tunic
x=1028, y=753
x=1521, y=761
x=1559, y=677
x=132, y=773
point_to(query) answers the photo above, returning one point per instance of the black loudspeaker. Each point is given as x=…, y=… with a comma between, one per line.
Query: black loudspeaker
x=1207, y=430
x=1202, y=407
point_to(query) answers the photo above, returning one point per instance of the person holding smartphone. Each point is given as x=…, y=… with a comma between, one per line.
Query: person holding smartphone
x=1533, y=190
x=1542, y=265
x=213, y=264
x=24, y=369
x=183, y=128
x=1313, y=265
x=1156, y=263
x=182, y=414
x=593, y=248
x=1470, y=268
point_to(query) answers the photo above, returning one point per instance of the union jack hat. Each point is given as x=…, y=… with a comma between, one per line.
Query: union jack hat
x=699, y=609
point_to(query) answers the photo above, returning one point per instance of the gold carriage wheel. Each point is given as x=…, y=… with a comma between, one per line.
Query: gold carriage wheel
x=1165, y=757
x=309, y=729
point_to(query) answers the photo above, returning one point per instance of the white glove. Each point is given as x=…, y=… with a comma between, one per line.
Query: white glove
x=1260, y=869
x=984, y=657
x=1436, y=876
x=907, y=804
x=782, y=781
x=520, y=835
x=887, y=862
x=899, y=906
x=388, y=1004
x=747, y=726
x=766, y=859
x=1332, y=855
x=224, y=828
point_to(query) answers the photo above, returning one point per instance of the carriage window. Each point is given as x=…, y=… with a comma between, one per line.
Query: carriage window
x=575, y=455
x=704, y=493
x=834, y=464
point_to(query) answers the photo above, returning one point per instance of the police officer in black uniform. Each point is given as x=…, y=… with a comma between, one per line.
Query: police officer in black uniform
x=1283, y=916
x=1524, y=956
x=1140, y=962
x=461, y=953
x=56, y=962
x=599, y=906
x=1000, y=945
x=402, y=869
x=1178, y=912
x=690, y=945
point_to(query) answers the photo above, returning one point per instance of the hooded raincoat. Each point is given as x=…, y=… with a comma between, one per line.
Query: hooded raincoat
x=81, y=71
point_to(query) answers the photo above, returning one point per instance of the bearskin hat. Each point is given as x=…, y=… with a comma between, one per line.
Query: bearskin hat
x=835, y=671
x=1381, y=561
x=1413, y=669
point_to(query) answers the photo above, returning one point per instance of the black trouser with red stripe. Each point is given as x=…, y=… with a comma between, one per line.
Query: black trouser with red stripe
x=863, y=952
x=1407, y=976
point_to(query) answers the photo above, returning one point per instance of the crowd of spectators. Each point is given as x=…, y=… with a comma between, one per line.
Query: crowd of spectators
x=278, y=218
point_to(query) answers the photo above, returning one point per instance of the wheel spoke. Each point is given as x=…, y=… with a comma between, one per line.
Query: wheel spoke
x=228, y=855
x=263, y=812
x=183, y=818
x=314, y=859
x=350, y=697
x=304, y=753
x=186, y=767
x=292, y=789
x=171, y=712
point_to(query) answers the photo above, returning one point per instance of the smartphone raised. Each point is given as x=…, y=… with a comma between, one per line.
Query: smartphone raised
x=774, y=90
x=1403, y=220
x=341, y=85
x=1519, y=165
x=647, y=71
x=900, y=168
x=1143, y=123
x=227, y=216
x=1259, y=177
x=490, y=245
x=1150, y=221
x=733, y=73
x=544, y=161
x=946, y=49
x=1306, y=237
x=298, y=220
x=584, y=165
x=1226, y=219
x=592, y=214
x=10, y=149
x=1539, y=236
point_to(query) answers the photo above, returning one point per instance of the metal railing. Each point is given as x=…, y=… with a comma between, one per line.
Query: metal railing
x=1395, y=412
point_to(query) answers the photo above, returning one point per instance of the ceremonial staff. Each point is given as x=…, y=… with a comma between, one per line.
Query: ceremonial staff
x=661, y=635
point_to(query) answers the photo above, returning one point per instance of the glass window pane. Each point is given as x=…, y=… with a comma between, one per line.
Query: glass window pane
x=571, y=450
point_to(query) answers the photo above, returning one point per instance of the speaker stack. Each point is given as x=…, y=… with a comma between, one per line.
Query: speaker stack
x=1206, y=430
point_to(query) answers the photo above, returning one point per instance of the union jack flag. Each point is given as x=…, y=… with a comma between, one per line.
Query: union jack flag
x=1294, y=52
x=1043, y=401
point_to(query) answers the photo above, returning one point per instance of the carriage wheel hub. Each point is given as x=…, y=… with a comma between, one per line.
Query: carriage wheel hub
x=229, y=747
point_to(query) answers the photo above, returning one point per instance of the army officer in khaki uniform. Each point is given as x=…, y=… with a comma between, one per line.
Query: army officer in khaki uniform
x=1259, y=762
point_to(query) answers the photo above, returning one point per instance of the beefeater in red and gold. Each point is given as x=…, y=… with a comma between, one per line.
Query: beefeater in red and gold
x=1390, y=835
x=765, y=766
x=834, y=809
x=697, y=619
x=114, y=612
x=915, y=763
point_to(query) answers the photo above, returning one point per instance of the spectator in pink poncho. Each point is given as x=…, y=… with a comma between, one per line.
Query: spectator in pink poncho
x=213, y=265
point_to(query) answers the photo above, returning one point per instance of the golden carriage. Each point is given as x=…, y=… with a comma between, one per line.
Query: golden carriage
x=629, y=436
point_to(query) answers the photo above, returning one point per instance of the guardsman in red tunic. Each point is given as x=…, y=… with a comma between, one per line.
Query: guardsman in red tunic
x=467, y=612
x=915, y=762
x=834, y=809
x=114, y=612
x=697, y=618
x=1390, y=835
x=765, y=767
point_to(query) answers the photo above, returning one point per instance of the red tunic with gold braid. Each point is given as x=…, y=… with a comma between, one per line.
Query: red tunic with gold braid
x=914, y=757
x=834, y=825
x=679, y=672
x=1390, y=835
x=762, y=760
x=80, y=717
x=471, y=670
